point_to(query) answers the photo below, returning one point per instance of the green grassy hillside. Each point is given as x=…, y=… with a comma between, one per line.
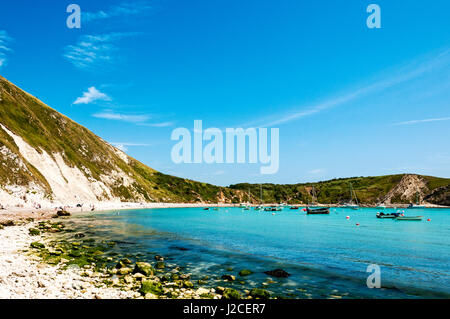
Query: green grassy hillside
x=45, y=129
x=369, y=190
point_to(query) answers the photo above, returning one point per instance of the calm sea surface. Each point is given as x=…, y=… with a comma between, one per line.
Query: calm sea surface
x=326, y=255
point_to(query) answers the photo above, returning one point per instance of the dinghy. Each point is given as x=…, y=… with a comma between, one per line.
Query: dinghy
x=411, y=218
x=317, y=211
x=387, y=215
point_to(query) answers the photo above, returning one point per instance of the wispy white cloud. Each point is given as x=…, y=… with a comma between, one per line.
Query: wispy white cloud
x=93, y=51
x=91, y=96
x=125, y=9
x=5, y=40
x=403, y=74
x=161, y=124
x=138, y=119
x=124, y=146
x=108, y=115
x=423, y=121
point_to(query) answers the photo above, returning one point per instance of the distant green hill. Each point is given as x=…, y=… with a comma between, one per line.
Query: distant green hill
x=403, y=188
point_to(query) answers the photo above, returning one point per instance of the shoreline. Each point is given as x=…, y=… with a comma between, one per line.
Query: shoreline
x=24, y=213
x=23, y=276
x=108, y=206
x=26, y=274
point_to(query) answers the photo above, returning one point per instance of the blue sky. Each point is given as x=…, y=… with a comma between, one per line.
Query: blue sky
x=348, y=100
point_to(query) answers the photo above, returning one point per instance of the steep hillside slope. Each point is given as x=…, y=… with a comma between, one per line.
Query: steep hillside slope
x=46, y=157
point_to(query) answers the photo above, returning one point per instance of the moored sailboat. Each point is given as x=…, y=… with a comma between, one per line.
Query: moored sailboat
x=352, y=204
x=315, y=209
x=417, y=204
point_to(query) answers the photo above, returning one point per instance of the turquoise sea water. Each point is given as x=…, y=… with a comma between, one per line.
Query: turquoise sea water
x=326, y=255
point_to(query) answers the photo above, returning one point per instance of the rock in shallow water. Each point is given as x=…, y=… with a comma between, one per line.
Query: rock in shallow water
x=230, y=293
x=34, y=232
x=143, y=268
x=245, y=272
x=62, y=213
x=152, y=287
x=280, y=273
x=259, y=293
x=160, y=265
x=229, y=277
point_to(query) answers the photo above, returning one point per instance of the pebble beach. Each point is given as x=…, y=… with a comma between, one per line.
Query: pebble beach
x=25, y=274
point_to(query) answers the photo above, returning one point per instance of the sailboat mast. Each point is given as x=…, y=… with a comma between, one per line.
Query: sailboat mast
x=356, y=198
x=351, y=192
x=260, y=194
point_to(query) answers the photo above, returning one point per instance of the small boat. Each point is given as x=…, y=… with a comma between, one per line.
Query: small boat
x=417, y=204
x=412, y=206
x=260, y=206
x=387, y=215
x=411, y=218
x=317, y=211
x=313, y=208
x=273, y=209
x=206, y=208
x=294, y=207
x=351, y=204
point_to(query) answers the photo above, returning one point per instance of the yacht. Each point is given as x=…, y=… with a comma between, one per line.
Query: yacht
x=353, y=202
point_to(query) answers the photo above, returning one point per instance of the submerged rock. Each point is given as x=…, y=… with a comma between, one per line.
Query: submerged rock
x=75, y=253
x=245, y=272
x=220, y=289
x=230, y=293
x=160, y=265
x=124, y=271
x=37, y=245
x=125, y=261
x=34, y=232
x=7, y=223
x=62, y=213
x=149, y=286
x=143, y=268
x=179, y=248
x=121, y=264
x=280, y=273
x=259, y=293
x=229, y=277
